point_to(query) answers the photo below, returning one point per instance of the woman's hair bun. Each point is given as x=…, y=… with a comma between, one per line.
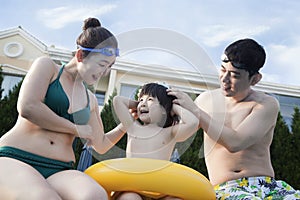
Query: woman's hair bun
x=91, y=22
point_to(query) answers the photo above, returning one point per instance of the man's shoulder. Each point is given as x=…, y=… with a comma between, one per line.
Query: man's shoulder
x=211, y=93
x=265, y=99
x=208, y=99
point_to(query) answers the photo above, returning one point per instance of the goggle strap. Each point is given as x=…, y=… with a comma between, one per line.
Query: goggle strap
x=101, y=50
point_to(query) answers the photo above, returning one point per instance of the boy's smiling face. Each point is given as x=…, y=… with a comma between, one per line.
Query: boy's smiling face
x=150, y=111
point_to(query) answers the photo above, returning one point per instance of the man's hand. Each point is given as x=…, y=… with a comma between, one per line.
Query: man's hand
x=182, y=99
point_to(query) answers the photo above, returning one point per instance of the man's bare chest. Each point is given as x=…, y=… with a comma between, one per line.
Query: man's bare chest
x=232, y=116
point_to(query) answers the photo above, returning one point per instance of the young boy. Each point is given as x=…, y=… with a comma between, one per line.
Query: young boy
x=164, y=124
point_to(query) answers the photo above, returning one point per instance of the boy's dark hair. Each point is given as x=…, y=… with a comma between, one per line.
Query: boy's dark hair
x=159, y=91
x=245, y=54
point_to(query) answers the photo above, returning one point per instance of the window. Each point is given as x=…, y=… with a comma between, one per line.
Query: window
x=287, y=105
x=128, y=90
x=9, y=82
x=100, y=97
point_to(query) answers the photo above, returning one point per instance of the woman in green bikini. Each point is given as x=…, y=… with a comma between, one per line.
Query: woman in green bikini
x=36, y=155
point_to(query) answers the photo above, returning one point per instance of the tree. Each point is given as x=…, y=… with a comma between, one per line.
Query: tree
x=284, y=153
x=295, y=160
x=1, y=80
x=8, y=108
x=107, y=114
x=194, y=155
x=110, y=120
x=279, y=147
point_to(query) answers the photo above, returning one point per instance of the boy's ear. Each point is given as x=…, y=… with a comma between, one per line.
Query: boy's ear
x=256, y=78
x=79, y=55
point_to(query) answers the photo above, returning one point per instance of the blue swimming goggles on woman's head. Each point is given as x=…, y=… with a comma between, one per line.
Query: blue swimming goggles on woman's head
x=107, y=51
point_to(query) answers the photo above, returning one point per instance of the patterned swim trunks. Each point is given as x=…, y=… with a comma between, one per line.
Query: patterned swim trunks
x=256, y=188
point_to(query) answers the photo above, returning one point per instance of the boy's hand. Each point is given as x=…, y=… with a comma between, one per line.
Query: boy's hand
x=133, y=112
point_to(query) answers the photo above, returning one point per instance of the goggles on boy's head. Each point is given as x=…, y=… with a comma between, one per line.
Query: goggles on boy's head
x=238, y=65
x=107, y=51
x=163, y=84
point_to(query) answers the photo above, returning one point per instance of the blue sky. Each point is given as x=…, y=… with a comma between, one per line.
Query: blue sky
x=212, y=24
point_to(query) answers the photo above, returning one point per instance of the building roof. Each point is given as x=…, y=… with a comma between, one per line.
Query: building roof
x=54, y=53
x=20, y=31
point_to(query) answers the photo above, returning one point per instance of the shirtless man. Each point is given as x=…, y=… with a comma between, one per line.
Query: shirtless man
x=239, y=124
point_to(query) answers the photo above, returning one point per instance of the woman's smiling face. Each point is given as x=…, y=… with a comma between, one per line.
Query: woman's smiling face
x=95, y=66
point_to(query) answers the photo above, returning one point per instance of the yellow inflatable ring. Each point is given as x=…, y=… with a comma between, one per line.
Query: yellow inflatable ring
x=152, y=178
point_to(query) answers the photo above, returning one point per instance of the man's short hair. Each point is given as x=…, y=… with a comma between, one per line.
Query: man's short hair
x=245, y=54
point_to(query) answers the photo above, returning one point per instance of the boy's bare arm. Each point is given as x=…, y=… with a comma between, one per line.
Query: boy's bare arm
x=121, y=107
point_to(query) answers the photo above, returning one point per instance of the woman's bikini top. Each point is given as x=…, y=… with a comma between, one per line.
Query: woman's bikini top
x=57, y=100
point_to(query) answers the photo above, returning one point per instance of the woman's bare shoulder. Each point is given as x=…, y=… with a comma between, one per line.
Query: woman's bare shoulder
x=44, y=60
x=43, y=63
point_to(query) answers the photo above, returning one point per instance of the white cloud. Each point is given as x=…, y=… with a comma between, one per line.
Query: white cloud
x=59, y=17
x=214, y=35
x=283, y=63
x=272, y=78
